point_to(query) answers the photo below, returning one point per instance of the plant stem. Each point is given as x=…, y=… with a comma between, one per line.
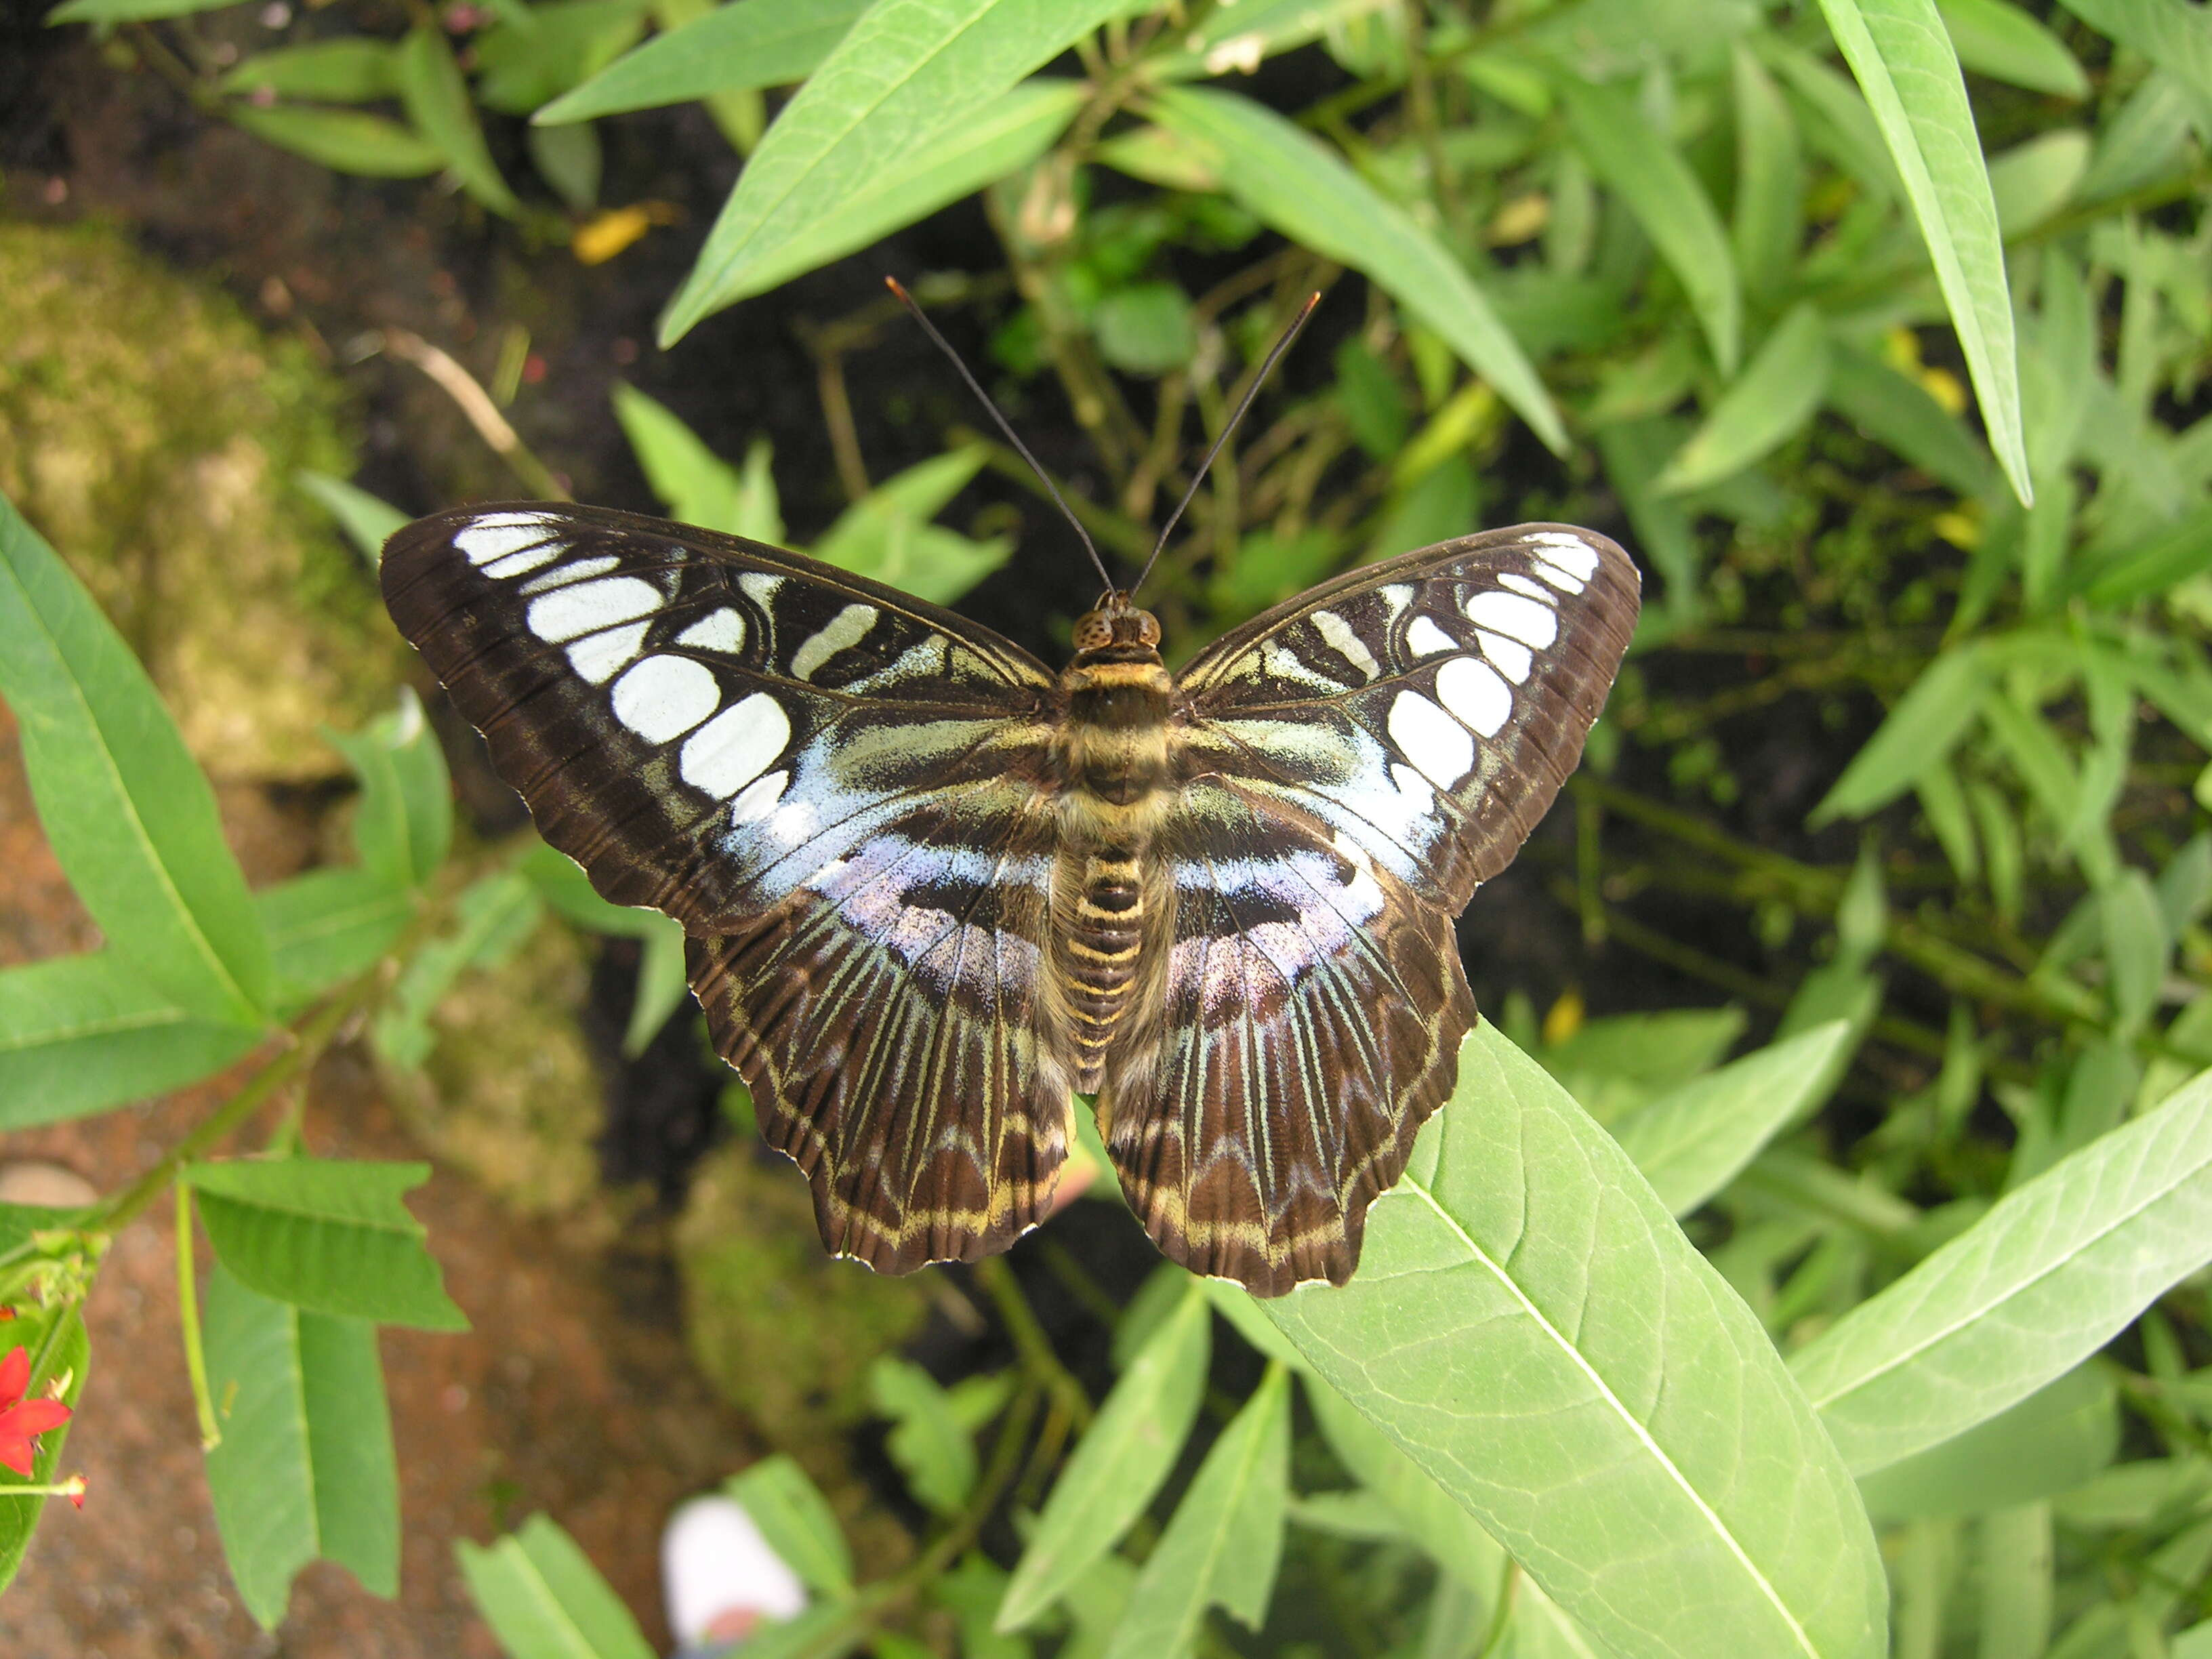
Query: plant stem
x=188, y=1323
x=1030, y=1340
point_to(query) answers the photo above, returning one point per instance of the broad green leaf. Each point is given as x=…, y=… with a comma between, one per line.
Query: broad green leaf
x=1999, y=39
x=1837, y=121
x=1622, y=1061
x=1689, y=1144
x=733, y=48
x=1119, y=1463
x=2042, y=1280
x=696, y=485
x=343, y=140
x=1298, y=185
x=797, y=1522
x=403, y=826
x=1767, y=219
x=81, y=1034
x=887, y=536
x=1226, y=1537
x=1763, y=408
x=1013, y=131
x=2137, y=947
x=2016, y=1583
x=127, y=812
x=305, y=1470
x=2156, y=568
x=1425, y=1511
x=54, y=1353
x=928, y=1442
x=326, y=1235
x=2147, y=138
x=1530, y=1327
x=1927, y=723
x=661, y=987
x=327, y=926
x=437, y=100
x=368, y=522
x=908, y=72
x=1236, y=1304
x=1903, y=59
x=1655, y=185
x=2032, y=180
x=1899, y=411
x=544, y=1598
x=2049, y=1443
x=2170, y=34
x=496, y=913
x=528, y=62
x=355, y=70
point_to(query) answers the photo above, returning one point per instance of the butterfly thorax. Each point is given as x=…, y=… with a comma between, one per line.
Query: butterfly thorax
x=1115, y=760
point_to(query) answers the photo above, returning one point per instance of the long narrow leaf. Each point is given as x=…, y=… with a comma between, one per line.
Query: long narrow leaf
x=1291, y=180
x=437, y=98
x=129, y=814
x=1903, y=59
x=909, y=70
x=737, y=47
x=2040, y=1282
x=546, y=1599
x=1770, y=402
x=1531, y=1328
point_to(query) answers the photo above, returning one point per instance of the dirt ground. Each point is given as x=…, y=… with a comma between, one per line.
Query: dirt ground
x=571, y=1395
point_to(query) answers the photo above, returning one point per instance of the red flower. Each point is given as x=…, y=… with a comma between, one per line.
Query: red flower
x=23, y=1420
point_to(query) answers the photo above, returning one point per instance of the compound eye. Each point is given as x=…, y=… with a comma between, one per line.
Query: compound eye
x=1093, y=632
x=1148, y=628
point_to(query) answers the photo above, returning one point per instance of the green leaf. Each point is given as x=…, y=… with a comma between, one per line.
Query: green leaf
x=1767, y=404
x=1653, y=181
x=2049, y=1443
x=1690, y=1143
x=1926, y=725
x=305, y=1471
x=81, y=1034
x=1899, y=411
x=2137, y=947
x=2170, y=33
x=1120, y=1463
x=1236, y=1304
x=1530, y=1327
x=661, y=987
x=523, y=64
x=886, y=535
x=496, y=914
x=1903, y=59
x=327, y=926
x=544, y=1598
x=436, y=99
x=2156, y=568
x=696, y=485
x=330, y=1235
x=733, y=48
x=907, y=72
x=127, y=812
x=1767, y=219
x=343, y=140
x=1997, y=38
x=343, y=71
x=2039, y=1283
x=928, y=1442
x=403, y=825
x=797, y=1522
x=68, y=1354
x=123, y=11
x=368, y=522
x=1426, y=1512
x=1145, y=328
x=1226, y=1537
x=1298, y=185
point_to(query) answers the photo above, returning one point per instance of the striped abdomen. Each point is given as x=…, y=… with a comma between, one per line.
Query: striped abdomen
x=1105, y=937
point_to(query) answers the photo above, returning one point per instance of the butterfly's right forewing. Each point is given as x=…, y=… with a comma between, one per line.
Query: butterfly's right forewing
x=843, y=794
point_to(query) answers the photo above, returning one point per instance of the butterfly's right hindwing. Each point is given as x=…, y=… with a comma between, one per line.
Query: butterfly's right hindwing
x=839, y=791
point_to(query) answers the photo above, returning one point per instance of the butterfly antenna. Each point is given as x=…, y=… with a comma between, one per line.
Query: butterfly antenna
x=1012, y=437
x=1227, y=427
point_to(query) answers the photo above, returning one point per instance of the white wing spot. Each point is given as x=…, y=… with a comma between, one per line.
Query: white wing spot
x=1437, y=746
x=664, y=697
x=1558, y=576
x=761, y=586
x=1510, y=657
x=1521, y=583
x=1472, y=690
x=758, y=799
x=597, y=656
x=490, y=538
x=1571, y=552
x=847, y=627
x=1426, y=639
x=568, y=613
x=568, y=573
x=1345, y=643
x=510, y=565
x=732, y=749
x=718, y=630
x=1525, y=620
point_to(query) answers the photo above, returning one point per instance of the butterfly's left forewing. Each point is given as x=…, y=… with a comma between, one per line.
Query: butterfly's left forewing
x=1353, y=764
x=842, y=792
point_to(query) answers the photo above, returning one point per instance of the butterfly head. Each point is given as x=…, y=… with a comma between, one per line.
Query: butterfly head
x=1114, y=624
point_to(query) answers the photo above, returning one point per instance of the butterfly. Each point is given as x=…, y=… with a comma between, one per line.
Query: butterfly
x=932, y=889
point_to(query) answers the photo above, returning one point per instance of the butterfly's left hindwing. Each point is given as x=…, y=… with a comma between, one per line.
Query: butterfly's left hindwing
x=1353, y=764
x=840, y=791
